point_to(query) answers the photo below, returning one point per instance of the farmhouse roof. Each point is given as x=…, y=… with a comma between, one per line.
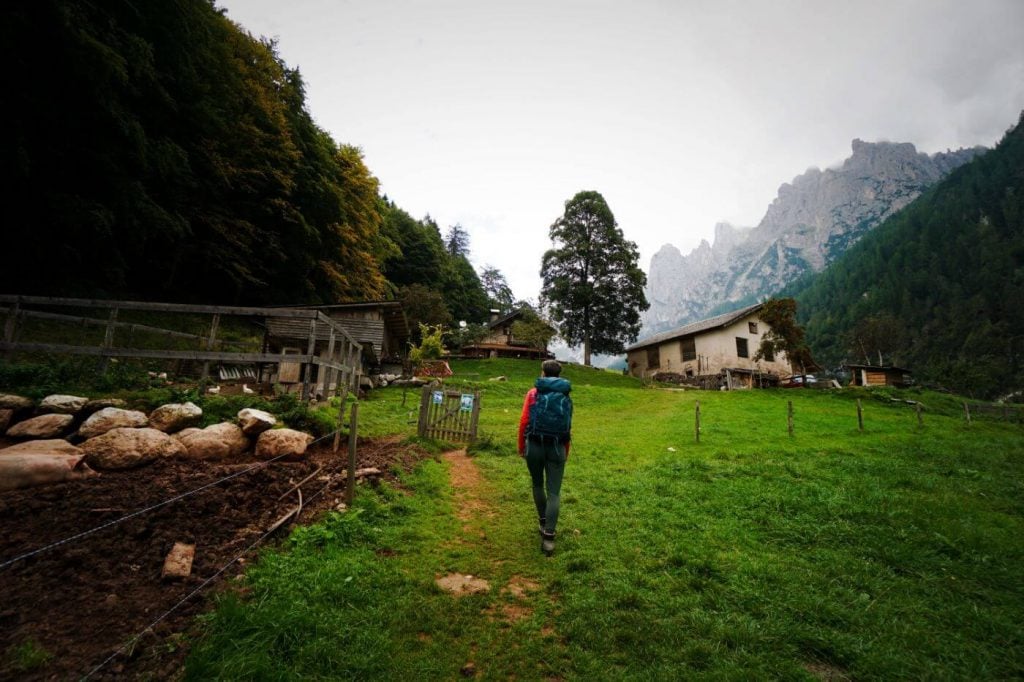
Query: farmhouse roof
x=509, y=317
x=716, y=322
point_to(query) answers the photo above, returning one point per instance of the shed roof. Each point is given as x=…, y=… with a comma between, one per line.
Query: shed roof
x=879, y=368
x=716, y=322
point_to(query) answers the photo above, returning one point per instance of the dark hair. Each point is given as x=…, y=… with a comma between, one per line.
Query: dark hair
x=551, y=368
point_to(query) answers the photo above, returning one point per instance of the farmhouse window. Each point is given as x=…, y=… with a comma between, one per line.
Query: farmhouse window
x=688, y=349
x=741, y=347
x=752, y=326
x=769, y=355
x=653, y=357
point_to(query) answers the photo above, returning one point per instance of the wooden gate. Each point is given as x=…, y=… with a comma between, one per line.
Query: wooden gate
x=448, y=415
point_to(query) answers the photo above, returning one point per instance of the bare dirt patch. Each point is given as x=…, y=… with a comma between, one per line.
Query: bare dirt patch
x=83, y=600
x=824, y=671
x=459, y=584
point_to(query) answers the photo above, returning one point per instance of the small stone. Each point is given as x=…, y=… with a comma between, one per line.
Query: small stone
x=468, y=670
x=178, y=563
x=254, y=422
x=282, y=443
x=175, y=417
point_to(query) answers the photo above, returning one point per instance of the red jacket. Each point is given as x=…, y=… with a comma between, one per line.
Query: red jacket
x=524, y=421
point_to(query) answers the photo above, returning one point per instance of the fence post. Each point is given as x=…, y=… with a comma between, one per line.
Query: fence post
x=474, y=416
x=860, y=416
x=328, y=379
x=214, y=324
x=920, y=421
x=789, y=418
x=307, y=375
x=696, y=422
x=967, y=412
x=108, y=339
x=421, y=427
x=11, y=326
x=352, y=427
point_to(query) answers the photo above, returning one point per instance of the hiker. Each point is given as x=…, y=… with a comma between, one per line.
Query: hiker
x=544, y=433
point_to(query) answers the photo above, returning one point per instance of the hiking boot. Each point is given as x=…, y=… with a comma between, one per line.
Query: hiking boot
x=547, y=543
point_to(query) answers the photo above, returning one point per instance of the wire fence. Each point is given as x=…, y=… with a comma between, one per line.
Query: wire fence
x=130, y=642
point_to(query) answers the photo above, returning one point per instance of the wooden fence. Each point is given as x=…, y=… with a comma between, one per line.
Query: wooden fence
x=339, y=365
x=448, y=415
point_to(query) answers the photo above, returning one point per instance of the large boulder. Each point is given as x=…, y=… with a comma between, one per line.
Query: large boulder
x=15, y=402
x=254, y=422
x=43, y=426
x=218, y=441
x=5, y=418
x=282, y=443
x=40, y=462
x=129, y=448
x=62, y=404
x=175, y=417
x=111, y=418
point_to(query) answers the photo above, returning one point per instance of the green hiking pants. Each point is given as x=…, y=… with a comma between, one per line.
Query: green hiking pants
x=546, y=462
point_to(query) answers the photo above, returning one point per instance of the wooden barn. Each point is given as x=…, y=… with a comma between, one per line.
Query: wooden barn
x=718, y=351
x=501, y=343
x=876, y=375
x=380, y=327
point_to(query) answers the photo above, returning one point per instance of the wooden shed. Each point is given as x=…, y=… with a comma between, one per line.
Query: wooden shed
x=876, y=375
x=380, y=327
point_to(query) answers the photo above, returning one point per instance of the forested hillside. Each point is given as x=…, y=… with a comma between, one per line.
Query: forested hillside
x=939, y=287
x=157, y=150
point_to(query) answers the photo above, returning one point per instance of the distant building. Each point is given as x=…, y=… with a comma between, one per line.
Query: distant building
x=715, y=352
x=876, y=375
x=500, y=342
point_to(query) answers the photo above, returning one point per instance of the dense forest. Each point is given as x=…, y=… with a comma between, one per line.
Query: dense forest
x=939, y=287
x=157, y=150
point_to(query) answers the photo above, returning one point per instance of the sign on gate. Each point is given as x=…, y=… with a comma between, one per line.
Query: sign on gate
x=448, y=415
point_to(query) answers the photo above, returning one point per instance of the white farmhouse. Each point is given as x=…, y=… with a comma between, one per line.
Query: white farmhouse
x=715, y=352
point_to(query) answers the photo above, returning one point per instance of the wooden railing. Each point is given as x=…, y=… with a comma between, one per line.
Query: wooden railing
x=341, y=361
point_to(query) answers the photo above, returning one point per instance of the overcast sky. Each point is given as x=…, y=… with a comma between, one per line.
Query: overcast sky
x=681, y=113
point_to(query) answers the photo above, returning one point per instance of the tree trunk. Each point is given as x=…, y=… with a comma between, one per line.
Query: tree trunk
x=586, y=351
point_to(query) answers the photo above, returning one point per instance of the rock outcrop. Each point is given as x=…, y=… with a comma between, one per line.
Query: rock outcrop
x=813, y=220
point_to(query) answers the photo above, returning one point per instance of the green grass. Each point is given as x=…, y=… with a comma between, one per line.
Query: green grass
x=895, y=552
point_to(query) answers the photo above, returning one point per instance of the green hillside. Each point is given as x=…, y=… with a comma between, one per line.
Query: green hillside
x=937, y=288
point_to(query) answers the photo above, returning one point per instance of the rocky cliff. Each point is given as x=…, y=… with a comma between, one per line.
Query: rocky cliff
x=812, y=220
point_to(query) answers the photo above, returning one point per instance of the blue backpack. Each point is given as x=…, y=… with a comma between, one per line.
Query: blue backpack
x=551, y=413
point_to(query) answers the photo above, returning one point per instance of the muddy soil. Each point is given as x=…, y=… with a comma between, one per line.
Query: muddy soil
x=77, y=604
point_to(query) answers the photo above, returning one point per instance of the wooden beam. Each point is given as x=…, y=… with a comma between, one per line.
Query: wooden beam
x=162, y=307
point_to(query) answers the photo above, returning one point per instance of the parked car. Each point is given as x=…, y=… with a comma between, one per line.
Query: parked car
x=797, y=381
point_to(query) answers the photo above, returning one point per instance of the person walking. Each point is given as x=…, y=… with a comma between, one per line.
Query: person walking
x=545, y=429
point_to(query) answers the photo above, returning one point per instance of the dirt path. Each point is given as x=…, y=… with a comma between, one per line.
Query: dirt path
x=518, y=595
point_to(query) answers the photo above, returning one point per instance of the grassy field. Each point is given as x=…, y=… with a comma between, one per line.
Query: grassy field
x=895, y=552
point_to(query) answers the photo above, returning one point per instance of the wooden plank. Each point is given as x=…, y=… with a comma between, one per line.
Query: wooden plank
x=75, y=319
x=214, y=324
x=161, y=307
x=474, y=417
x=142, y=353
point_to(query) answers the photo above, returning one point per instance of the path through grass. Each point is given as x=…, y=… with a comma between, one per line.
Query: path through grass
x=832, y=554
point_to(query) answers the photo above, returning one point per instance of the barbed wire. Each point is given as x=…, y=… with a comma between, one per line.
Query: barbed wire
x=78, y=536
x=206, y=582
